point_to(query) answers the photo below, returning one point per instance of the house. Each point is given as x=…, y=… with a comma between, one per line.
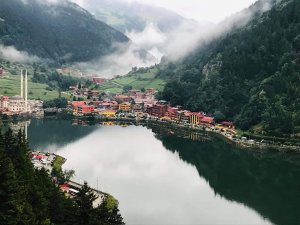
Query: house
x=159, y=109
x=76, y=104
x=125, y=107
x=206, y=120
x=92, y=93
x=86, y=109
x=99, y=80
x=172, y=113
x=122, y=98
x=108, y=105
x=137, y=108
x=184, y=116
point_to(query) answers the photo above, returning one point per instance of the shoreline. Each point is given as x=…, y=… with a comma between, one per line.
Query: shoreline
x=242, y=144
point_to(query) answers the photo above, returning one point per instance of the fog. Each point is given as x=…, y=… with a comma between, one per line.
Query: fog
x=10, y=53
x=174, y=44
x=120, y=62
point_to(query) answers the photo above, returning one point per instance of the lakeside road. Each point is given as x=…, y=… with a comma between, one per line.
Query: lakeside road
x=242, y=142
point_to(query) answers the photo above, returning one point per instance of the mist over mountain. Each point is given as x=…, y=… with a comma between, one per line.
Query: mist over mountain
x=57, y=30
x=126, y=16
x=249, y=74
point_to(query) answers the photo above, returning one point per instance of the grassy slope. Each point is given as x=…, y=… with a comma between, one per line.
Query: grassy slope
x=11, y=86
x=136, y=80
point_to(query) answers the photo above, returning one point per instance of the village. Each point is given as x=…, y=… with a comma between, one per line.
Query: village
x=136, y=104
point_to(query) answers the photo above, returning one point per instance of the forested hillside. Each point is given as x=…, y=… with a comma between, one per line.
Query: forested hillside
x=57, y=30
x=250, y=74
x=29, y=196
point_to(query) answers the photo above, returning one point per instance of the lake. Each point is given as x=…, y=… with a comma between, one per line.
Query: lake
x=160, y=177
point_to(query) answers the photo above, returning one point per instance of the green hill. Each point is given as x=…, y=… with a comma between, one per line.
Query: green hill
x=137, y=79
x=250, y=74
x=61, y=31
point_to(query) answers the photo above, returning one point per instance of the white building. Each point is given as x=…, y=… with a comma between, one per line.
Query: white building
x=17, y=104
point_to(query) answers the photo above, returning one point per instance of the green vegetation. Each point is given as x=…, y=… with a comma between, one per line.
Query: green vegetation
x=58, y=162
x=73, y=34
x=138, y=79
x=29, y=196
x=250, y=75
x=11, y=86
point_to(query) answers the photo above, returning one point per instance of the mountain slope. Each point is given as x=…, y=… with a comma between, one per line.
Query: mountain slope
x=61, y=31
x=250, y=75
x=126, y=16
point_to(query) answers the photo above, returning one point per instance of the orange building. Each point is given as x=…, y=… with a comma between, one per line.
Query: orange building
x=125, y=107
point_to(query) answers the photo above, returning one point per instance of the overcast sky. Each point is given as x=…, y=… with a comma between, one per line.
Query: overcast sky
x=202, y=10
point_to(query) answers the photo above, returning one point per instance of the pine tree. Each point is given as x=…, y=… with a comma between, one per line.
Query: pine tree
x=84, y=202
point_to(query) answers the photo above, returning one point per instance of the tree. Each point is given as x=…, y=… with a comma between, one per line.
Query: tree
x=127, y=88
x=84, y=203
x=108, y=212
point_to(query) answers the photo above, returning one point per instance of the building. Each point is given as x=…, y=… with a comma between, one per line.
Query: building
x=16, y=104
x=108, y=113
x=172, y=113
x=85, y=109
x=158, y=110
x=125, y=107
x=122, y=98
x=99, y=80
x=184, y=116
x=228, y=124
x=195, y=118
x=137, y=108
x=113, y=105
x=93, y=94
x=76, y=104
x=4, y=100
x=206, y=120
x=150, y=91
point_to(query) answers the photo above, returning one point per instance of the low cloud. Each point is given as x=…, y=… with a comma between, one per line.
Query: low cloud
x=118, y=63
x=189, y=35
x=175, y=44
x=10, y=53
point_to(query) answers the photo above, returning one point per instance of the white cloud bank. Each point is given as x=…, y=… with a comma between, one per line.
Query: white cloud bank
x=175, y=44
x=118, y=63
x=10, y=53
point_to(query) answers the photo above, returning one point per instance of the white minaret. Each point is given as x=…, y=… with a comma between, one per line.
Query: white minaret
x=22, y=79
x=26, y=90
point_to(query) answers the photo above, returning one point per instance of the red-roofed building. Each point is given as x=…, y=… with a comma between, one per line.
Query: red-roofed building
x=207, y=120
x=86, y=109
x=172, y=113
x=122, y=98
x=228, y=124
x=158, y=110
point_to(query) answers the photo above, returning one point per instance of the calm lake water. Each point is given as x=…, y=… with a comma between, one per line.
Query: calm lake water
x=160, y=178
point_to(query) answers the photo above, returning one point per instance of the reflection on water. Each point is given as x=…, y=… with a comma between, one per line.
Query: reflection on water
x=163, y=179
